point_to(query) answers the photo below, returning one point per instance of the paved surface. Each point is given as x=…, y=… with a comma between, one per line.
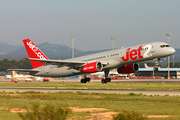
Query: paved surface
x=2, y=79
x=47, y=89
x=53, y=89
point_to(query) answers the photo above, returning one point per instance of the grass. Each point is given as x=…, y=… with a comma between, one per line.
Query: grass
x=6, y=115
x=131, y=86
x=142, y=104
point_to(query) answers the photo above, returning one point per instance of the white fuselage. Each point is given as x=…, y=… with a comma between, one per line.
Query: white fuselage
x=113, y=59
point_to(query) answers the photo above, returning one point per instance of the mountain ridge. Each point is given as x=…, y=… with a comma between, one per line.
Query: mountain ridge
x=52, y=51
x=5, y=48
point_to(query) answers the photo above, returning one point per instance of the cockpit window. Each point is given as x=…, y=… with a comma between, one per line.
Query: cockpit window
x=162, y=46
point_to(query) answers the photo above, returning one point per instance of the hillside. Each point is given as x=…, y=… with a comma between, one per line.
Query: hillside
x=5, y=48
x=52, y=51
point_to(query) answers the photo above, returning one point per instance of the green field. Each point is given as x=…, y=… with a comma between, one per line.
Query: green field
x=93, y=105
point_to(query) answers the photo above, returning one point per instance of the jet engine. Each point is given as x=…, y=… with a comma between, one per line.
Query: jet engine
x=92, y=67
x=129, y=68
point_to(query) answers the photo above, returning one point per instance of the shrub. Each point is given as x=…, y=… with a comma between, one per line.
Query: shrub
x=132, y=94
x=129, y=116
x=48, y=112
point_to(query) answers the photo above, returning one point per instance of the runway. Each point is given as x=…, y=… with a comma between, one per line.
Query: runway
x=53, y=89
x=124, y=81
x=99, y=81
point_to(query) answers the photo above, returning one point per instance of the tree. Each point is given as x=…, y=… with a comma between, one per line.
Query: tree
x=22, y=64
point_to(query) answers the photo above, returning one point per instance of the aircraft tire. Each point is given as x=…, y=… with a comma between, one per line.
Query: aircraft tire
x=88, y=79
x=108, y=79
x=83, y=80
x=104, y=81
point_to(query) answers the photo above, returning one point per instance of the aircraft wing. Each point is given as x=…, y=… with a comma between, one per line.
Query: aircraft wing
x=24, y=70
x=60, y=62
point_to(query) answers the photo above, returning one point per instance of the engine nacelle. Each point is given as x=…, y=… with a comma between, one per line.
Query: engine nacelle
x=92, y=67
x=129, y=68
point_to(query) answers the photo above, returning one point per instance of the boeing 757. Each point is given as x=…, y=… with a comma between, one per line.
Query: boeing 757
x=124, y=60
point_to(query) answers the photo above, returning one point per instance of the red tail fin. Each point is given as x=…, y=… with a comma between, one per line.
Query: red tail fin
x=34, y=52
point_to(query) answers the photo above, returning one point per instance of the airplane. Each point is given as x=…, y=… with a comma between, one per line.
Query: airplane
x=156, y=65
x=18, y=77
x=124, y=60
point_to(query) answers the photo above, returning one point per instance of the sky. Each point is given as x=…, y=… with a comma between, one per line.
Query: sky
x=91, y=22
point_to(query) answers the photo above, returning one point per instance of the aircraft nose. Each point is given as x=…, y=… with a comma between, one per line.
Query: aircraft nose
x=171, y=50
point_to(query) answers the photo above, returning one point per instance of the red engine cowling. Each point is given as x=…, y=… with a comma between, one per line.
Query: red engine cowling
x=92, y=67
x=129, y=68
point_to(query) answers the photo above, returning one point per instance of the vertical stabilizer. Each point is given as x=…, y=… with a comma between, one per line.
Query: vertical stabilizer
x=146, y=66
x=14, y=74
x=34, y=52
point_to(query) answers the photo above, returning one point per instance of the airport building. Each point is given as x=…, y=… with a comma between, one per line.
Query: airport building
x=163, y=72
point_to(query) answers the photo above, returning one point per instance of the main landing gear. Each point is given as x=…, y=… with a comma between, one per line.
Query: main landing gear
x=107, y=79
x=85, y=80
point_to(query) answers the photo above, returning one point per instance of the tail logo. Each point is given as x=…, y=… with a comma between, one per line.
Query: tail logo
x=36, y=50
